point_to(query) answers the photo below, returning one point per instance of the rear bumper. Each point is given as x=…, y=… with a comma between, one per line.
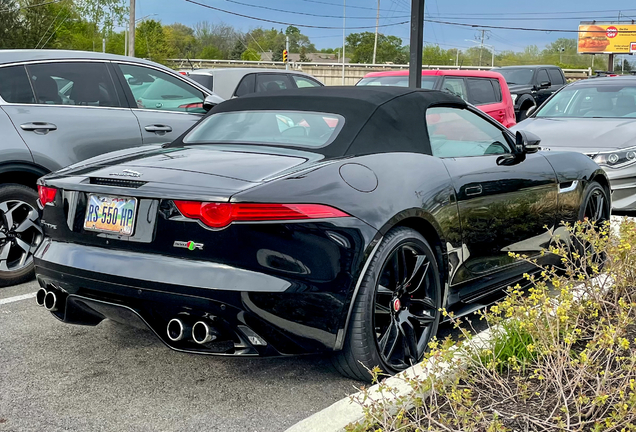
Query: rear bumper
x=94, y=284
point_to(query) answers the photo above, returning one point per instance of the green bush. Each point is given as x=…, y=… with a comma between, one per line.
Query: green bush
x=561, y=355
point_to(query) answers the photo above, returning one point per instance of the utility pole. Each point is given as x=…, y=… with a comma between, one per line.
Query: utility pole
x=417, y=43
x=287, y=49
x=103, y=45
x=481, y=49
x=344, y=26
x=457, y=59
x=125, y=42
x=377, y=24
x=131, y=30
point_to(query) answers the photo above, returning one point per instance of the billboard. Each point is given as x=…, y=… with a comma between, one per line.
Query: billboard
x=598, y=38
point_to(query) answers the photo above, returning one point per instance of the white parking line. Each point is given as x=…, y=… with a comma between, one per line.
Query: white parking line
x=16, y=298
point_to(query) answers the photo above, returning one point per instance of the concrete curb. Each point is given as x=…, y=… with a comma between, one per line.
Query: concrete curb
x=346, y=411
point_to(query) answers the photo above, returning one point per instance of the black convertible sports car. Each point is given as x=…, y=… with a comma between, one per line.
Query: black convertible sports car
x=328, y=219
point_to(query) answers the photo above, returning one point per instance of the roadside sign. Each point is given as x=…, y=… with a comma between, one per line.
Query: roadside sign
x=599, y=38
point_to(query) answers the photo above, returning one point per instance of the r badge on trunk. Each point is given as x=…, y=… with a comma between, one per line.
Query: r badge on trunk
x=190, y=245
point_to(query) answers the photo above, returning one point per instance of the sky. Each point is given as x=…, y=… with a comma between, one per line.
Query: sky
x=538, y=14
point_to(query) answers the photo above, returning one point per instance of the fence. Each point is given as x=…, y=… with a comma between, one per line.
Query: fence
x=331, y=73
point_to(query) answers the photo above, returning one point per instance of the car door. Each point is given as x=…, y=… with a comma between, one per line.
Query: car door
x=485, y=95
x=556, y=80
x=165, y=104
x=75, y=110
x=543, y=86
x=502, y=207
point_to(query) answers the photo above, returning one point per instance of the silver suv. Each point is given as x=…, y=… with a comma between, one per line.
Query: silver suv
x=60, y=107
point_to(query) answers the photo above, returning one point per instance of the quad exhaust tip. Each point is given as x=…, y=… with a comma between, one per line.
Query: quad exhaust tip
x=178, y=330
x=203, y=333
x=50, y=301
x=40, y=296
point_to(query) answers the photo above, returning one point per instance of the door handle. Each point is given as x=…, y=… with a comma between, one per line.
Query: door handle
x=159, y=129
x=40, y=128
x=473, y=190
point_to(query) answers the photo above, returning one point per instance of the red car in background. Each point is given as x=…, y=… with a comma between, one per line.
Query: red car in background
x=486, y=90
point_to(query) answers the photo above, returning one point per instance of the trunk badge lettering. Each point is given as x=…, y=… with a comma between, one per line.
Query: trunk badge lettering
x=127, y=173
x=190, y=245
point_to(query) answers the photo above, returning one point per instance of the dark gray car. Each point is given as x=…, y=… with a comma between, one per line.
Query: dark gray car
x=61, y=107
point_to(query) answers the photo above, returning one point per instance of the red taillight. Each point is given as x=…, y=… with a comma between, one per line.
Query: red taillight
x=46, y=194
x=192, y=105
x=219, y=215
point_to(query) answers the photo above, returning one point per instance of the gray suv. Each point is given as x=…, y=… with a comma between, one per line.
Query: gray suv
x=61, y=107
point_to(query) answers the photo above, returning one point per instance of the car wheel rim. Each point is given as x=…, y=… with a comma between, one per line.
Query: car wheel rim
x=20, y=234
x=596, y=207
x=405, y=306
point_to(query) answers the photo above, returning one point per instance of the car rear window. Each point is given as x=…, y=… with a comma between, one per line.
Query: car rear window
x=15, y=86
x=206, y=81
x=555, y=77
x=288, y=128
x=428, y=82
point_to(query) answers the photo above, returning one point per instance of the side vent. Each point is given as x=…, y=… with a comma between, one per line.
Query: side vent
x=133, y=184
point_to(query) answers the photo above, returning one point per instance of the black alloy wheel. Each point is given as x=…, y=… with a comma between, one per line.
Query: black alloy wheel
x=596, y=205
x=20, y=233
x=596, y=208
x=396, y=312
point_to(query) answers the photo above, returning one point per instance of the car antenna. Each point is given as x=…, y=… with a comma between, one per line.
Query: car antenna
x=191, y=64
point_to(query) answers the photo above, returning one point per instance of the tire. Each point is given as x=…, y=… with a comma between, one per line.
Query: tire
x=523, y=113
x=418, y=308
x=19, y=230
x=597, y=214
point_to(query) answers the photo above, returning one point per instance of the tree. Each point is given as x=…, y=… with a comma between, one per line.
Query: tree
x=150, y=42
x=237, y=50
x=221, y=36
x=250, y=55
x=8, y=24
x=210, y=52
x=277, y=52
x=181, y=40
x=390, y=49
x=434, y=55
x=297, y=40
x=303, y=55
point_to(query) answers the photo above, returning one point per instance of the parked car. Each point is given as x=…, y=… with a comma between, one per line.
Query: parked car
x=530, y=86
x=598, y=118
x=233, y=82
x=344, y=228
x=488, y=91
x=60, y=107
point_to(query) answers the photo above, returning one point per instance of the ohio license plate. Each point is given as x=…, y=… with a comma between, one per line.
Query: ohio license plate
x=110, y=214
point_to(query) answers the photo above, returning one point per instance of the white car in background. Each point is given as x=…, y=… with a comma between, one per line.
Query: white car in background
x=233, y=82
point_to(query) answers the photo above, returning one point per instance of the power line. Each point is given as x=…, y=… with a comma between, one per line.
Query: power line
x=512, y=28
x=348, y=6
x=288, y=23
x=304, y=13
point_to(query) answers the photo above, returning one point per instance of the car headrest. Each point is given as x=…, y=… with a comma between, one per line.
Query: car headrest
x=46, y=90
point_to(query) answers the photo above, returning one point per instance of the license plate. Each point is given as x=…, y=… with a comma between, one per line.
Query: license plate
x=110, y=214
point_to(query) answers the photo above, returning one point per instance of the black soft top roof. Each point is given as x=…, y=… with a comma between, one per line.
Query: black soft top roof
x=377, y=119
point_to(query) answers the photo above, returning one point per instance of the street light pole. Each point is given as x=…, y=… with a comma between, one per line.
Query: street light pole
x=131, y=30
x=344, y=26
x=417, y=43
x=377, y=24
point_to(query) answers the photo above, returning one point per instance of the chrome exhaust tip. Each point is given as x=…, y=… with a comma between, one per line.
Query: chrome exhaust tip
x=40, y=296
x=178, y=330
x=50, y=301
x=203, y=333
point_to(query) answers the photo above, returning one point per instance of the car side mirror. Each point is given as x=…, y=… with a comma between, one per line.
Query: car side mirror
x=211, y=101
x=545, y=84
x=134, y=81
x=527, y=142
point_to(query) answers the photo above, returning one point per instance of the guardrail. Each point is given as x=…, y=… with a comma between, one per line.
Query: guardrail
x=331, y=73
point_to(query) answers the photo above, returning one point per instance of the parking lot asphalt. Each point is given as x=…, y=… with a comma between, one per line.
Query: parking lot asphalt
x=60, y=377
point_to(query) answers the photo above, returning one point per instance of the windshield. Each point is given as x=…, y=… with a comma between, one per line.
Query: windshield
x=517, y=76
x=601, y=101
x=291, y=128
x=428, y=82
